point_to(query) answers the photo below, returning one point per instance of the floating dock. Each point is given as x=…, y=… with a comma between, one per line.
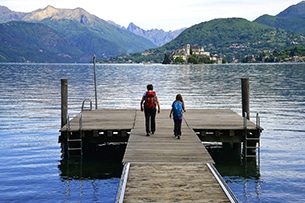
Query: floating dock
x=160, y=168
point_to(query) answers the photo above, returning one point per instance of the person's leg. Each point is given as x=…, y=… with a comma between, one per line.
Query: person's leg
x=176, y=127
x=153, y=120
x=179, y=122
x=147, y=116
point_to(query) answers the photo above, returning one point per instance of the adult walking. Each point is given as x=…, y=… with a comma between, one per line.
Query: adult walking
x=149, y=104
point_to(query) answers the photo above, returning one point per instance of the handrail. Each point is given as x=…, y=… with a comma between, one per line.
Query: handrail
x=222, y=183
x=258, y=121
x=80, y=121
x=83, y=105
x=123, y=183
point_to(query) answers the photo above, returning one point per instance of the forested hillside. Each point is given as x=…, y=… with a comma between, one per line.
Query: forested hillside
x=38, y=43
x=230, y=38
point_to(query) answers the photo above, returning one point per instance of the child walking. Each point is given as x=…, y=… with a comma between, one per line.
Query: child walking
x=177, y=110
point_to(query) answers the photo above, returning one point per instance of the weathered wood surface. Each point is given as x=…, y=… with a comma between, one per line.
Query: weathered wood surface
x=163, y=147
x=172, y=183
x=216, y=119
x=106, y=119
x=166, y=169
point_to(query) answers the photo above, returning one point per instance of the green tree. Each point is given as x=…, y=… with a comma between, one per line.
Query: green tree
x=179, y=60
x=167, y=59
x=193, y=59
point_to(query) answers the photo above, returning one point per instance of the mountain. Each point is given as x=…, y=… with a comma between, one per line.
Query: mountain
x=8, y=15
x=294, y=11
x=37, y=43
x=86, y=32
x=291, y=19
x=230, y=38
x=158, y=36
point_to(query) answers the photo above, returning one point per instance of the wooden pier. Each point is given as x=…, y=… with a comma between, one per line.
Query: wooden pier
x=160, y=168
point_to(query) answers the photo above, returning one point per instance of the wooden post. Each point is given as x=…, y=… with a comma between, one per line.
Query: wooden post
x=245, y=97
x=64, y=101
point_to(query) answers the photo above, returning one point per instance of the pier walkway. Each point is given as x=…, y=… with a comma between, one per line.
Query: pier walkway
x=161, y=168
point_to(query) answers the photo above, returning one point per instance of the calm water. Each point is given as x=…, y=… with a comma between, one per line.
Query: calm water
x=32, y=169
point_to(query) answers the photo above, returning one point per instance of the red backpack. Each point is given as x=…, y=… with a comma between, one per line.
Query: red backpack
x=150, y=100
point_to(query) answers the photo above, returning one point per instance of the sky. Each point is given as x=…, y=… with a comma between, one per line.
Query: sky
x=160, y=14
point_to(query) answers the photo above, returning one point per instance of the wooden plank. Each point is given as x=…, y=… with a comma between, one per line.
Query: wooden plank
x=172, y=183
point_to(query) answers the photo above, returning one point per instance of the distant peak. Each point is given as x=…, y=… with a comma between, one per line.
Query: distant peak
x=50, y=7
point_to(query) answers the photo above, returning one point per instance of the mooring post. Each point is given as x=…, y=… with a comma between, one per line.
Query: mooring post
x=64, y=101
x=245, y=97
x=249, y=143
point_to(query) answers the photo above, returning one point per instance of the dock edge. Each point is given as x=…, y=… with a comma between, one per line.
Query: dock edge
x=222, y=183
x=123, y=183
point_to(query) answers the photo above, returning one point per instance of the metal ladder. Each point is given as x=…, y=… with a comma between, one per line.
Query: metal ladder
x=253, y=139
x=75, y=143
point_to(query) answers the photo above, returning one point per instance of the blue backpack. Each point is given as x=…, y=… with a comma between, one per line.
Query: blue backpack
x=177, y=110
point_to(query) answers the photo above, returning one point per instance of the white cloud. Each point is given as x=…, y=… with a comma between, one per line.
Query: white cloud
x=162, y=14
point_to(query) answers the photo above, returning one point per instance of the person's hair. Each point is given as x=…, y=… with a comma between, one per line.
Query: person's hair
x=179, y=97
x=150, y=87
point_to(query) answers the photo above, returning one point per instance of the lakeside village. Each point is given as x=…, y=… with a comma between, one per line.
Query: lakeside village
x=196, y=54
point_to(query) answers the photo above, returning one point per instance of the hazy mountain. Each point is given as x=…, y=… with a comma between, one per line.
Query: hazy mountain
x=7, y=15
x=34, y=42
x=158, y=36
x=292, y=19
x=86, y=32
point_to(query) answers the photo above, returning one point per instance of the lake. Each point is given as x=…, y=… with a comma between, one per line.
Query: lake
x=32, y=169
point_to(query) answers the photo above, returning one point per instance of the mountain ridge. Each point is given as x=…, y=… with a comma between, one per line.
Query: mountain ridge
x=43, y=45
x=232, y=39
x=86, y=32
x=156, y=36
x=291, y=19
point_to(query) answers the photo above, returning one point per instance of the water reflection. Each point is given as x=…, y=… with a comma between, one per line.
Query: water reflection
x=98, y=162
x=229, y=162
x=240, y=175
x=79, y=168
x=89, y=179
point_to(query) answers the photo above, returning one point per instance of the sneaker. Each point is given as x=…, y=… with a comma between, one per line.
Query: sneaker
x=147, y=134
x=178, y=137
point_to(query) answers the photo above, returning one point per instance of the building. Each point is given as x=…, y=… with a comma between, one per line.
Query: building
x=188, y=50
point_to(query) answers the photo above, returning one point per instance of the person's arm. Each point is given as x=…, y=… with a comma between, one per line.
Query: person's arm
x=141, y=104
x=158, y=104
x=171, y=112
